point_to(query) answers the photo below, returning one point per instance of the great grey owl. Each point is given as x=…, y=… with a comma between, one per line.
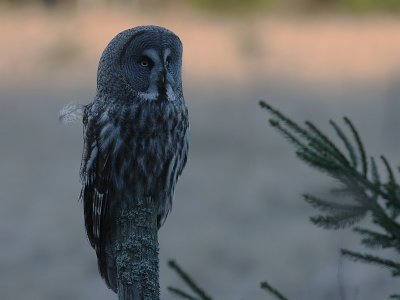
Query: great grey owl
x=135, y=133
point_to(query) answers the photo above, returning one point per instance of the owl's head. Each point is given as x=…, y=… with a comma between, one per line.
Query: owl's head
x=145, y=61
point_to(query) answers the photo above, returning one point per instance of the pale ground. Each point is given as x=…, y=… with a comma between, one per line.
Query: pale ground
x=238, y=217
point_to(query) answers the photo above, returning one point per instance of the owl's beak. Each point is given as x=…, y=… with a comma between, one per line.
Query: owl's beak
x=162, y=90
x=163, y=78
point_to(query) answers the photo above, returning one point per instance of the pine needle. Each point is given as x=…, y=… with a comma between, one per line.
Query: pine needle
x=339, y=220
x=367, y=258
x=329, y=206
x=389, y=170
x=346, y=143
x=374, y=172
x=375, y=240
x=330, y=146
x=286, y=120
x=360, y=145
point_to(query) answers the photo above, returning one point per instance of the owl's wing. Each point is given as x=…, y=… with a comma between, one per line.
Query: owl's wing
x=96, y=190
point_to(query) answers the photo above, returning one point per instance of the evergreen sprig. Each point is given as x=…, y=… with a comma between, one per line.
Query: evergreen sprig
x=199, y=292
x=367, y=258
x=360, y=182
x=359, y=179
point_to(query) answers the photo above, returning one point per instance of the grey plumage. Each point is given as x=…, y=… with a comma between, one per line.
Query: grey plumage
x=135, y=133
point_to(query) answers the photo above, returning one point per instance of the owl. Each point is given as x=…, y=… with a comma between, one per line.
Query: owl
x=135, y=134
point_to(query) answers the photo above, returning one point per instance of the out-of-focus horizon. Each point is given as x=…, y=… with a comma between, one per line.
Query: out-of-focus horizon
x=238, y=217
x=264, y=38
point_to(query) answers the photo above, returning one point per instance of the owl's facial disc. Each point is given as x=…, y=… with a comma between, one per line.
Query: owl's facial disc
x=152, y=64
x=161, y=82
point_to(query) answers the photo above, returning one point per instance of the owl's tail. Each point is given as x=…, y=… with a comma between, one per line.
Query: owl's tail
x=110, y=276
x=107, y=266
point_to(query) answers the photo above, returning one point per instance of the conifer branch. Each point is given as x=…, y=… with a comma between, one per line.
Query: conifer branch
x=329, y=206
x=314, y=153
x=339, y=220
x=267, y=287
x=374, y=173
x=359, y=179
x=374, y=240
x=360, y=145
x=189, y=281
x=326, y=144
x=286, y=133
x=365, y=190
x=346, y=143
x=367, y=258
x=297, y=129
x=388, y=169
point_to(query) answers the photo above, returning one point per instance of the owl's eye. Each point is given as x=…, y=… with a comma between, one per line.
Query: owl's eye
x=168, y=60
x=144, y=62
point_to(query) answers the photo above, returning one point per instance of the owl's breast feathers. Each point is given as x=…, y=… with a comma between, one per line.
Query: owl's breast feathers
x=140, y=149
x=146, y=139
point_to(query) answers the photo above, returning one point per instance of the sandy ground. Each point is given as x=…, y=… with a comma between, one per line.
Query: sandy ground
x=238, y=217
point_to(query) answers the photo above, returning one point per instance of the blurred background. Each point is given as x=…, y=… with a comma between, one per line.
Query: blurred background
x=238, y=217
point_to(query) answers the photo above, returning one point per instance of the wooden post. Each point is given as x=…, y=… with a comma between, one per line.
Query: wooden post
x=136, y=250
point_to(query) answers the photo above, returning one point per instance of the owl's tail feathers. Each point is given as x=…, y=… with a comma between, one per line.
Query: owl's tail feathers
x=108, y=268
x=71, y=113
x=110, y=277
